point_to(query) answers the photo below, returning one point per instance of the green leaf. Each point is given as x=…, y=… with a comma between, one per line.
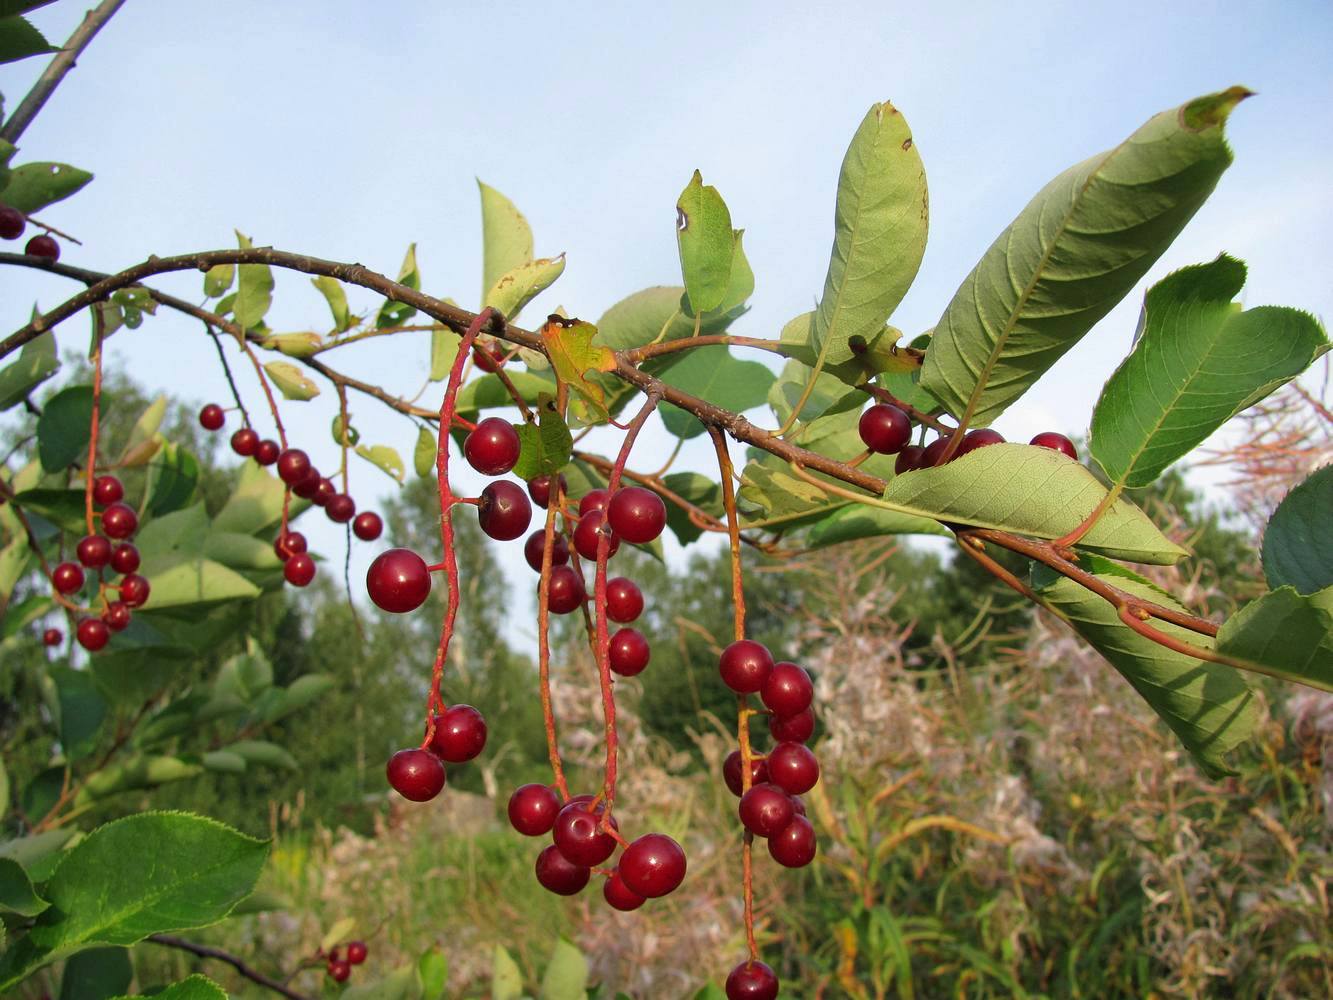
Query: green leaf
x=443, y=349
x=171, y=480
x=545, y=448
x=133, y=772
x=646, y=316
x=740, y=287
x=488, y=392
x=397, y=313
x=63, y=508
x=569, y=345
x=63, y=427
x=710, y=992
x=404, y=983
x=384, y=458
x=223, y=762
x=1031, y=491
x=516, y=288
x=245, y=675
x=194, y=987
x=265, y=753
x=103, y=893
x=198, y=581
x=291, y=381
x=4, y=790
x=14, y=561
x=423, y=455
x=698, y=490
x=336, y=297
x=1075, y=251
x=82, y=710
x=506, y=980
x=706, y=242
x=218, y=280
x=256, y=504
x=774, y=490
x=856, y=521
x=566, y=975
x=433, y=969
x=254, y=293
x=35, y=364
x=261, y=902
x=96, y=974
x=1298, y=542
x=717, y=376
x=167, y=540
x=16, y=892
x=1286, y=634
x=146, y=427
x=1207, y=705
x=33, y=186
x=295, y=345
x=38, y=853
x=240, y=552
x=19, y=40
x=1198, y=362
x=506, y=237
x=300, y=693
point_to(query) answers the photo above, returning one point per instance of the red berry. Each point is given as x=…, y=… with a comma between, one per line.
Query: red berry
x=793, y=768
x=745, y=665
x=416, y=774
x=593, y=500
x=293, y=464
x=119, y=521
x=117, y=616
x=765, y=810
x=398, y=581
x=340, y=508
x=731, y=772
x=979, y=438
x=43, y=245
x=798, y=804
x=653, y=865
x=788, y=690
x=489, y=356
x=134, y=590
x=885, y=429
x=52, y=637
x=356, y=952
x=367, y=526
x=504, y=512
x=629, y=652
x=752, y=980
x=931, y=456
x=107, y=489
x=564, y=590
x=794, y=845
x=619, y=895
x=492, y=447
x=536, y=545
x=245, y=442
x=636, y=514
x=1056, y=442
x=125, y=558
x=792, y=728
x=212, y=417
x=339, y=970
x=308, y=485
x=587, y=533
x=12, y=223
x=289, y=544
x=533, y=809
x=299, y=570
x=539, y=488
x=93, y=551
x=266, y=452
x=67, y=578
x=558, y=874
x=579, y=835
x=460, y=734
x=324, y=492
x=909, y=459
x=92, y=634
x=624, y=600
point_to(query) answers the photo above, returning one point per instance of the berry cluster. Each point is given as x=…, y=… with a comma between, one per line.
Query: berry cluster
x=887, y=430
x=12, y=224
x=339, y=966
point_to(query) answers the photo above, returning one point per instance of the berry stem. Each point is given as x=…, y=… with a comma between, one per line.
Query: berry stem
x=268, y=392
x=90, y=473
x=346, y=433
x=226, y=371
x=544, y=639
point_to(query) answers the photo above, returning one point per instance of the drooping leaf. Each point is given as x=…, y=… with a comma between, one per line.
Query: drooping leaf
x=856, y=521
x=573, y=354
x=218, y=280
x=254, y=293
x=506, y=980
x=740, y=286
x=336, y=297
x=1298, y=541
x=198, y=581
x=63, y=427
x=291, y=381
x=706, y=243
x=384, y=458
x=1075, y=251
x=19, y=40
x=443, y=349
x=82, y=709
x=33, y=186
x=1198, y=361
x=423, y=455
x=171, y=480
x=515, y=289
x=35, y=364
x=506, y=237
x=96, y=974
x=1287, y=633
x=397, y=313
x=717, y=376
x=566, y=976
x=196, y=987
x=16, y=892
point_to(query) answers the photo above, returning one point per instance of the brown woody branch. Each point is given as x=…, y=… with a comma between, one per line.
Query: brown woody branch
x=208, y=951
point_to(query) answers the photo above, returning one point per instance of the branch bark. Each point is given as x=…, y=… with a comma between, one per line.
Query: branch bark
x=207, y=951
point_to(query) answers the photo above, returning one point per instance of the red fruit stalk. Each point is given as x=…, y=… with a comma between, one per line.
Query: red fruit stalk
x=90, y=471
x=555, y=503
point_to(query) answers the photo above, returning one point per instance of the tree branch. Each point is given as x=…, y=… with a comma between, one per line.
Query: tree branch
x=207, y=951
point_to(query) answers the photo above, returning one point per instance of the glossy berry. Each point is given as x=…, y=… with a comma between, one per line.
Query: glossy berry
x=504, y=512
x=460, y=734
x=1056, y=442
x=415, y=774
x=564, y=590
x=794, y=846
x=299, y=570
x=765, y=810
x=653, y=865
x=367, y=526
x=289, y=544
x=798, y=804
x=92, y=634
x=979, y=438
x=93, y=551
x=590, y=529
x=245, y=442
x=134, y=590
x=539, y=488
x=340, y=509
x=293, y=464
x=579, y=835
x=212, y=417
x=619, y=895
x=324, y=492
x=52, y=637
x=266, y=452
x=745, y=665
x=12, y=223
x=125, y=558
x=107, y=490
x=492, y=447
x=593, y=500
x=533, y=809
x=119, y=521
x=629, y=652
x=885, y=429
x=535, y=546
x=117, y=616
x=339, y=970
x=356, y=952
x=308, y=485
x=43, y=245
x=731, y=772
x=793, y=768
x=398, y=581
x=931, y=456
x=558, y=874
x=752, y=980
x=624, y=600
x=67, y=577
x=636, y=514
x=909, y=459
x=788, y=690
x=489, y=356
x=793, y=728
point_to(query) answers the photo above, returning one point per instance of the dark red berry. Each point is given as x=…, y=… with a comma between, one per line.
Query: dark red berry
x=134, y=590
x=67, y=577
x=533, y=809
x=745, y=666
x=1056, y=442
x=731, y=772
x=356, y=952
x=460, y=734
x=488, y=356
x=765, y=809
x=299, y=570
x=564, y=590
x=492, y=447
x=117, y=616
x=339, y=970
x=798, y=804
x=792, y=728
x=92, y=634
x=539, y=488
x=536, y=545
x=267, y=452
x=415, y=774
x=43, y=245
x=579, y=835
x=52, y=637
x=245, y=442
x=629, y=652
x=340, y=508
x=558, y=874
x=885, y=429
x=289, y=544
x=619, y=895
x=125, y=558
x=308, y=485
x=624, y=600
x=979, y=438
x=752, y=980
x=212, y=417
x=12, y=223
x=909, y=459
x=504, y=512
x=593, y=500
x=93, y=551
x=398, y=581
x=107, y=490
x=590, y=529
x=793, y=768
x=293, y=464
x=653, y=865
x=794, y=845
x=119, y=521
x=931, y=456
x=636, y=514
x=324, y=492
x=367, y=526
x=788, y=690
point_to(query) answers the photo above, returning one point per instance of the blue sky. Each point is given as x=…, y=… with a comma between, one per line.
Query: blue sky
x=349, y=130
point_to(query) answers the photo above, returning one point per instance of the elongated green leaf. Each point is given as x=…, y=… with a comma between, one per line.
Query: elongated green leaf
x=336, y=297
x=516, y=288
x=403, y=983
x=218, y=280
x=291, y=381
x=95, y=974
x=706, y=242
x=245, y=675
x=15, y=559
x=63, y=427
x=443, y=349
x=296, y=696
x=171, y=480
x=242, y=552
x=198, y=581
x=1285, y=633
x=136, y=771
x=16, y=892
x=1197, y=363
x=856, y=521
x=35, y=364
x=19, y=39
x=1207, y=705
x=545, y=447
x=423, y=455
x=254, y=293
x=506, y=237
x=63, y=508
x=647, y=315
x=433, y=968
x=397, y=313
x=38, y=853
x=740, y=286
x=196, y=987
x=1031, y=491
x=384, y=458
x=295, y=345
x=1074, y=252
x=33, y=186
x=82, y=709
x=506, y=980
x=265, y=753
x=146, y=427
x=223, y=762
x=1298, y=541
x=566, y=976
x=716, y=375
x=256, y=504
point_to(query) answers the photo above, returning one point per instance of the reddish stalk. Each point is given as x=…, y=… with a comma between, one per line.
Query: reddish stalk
x=90, y=473
x=544, y=640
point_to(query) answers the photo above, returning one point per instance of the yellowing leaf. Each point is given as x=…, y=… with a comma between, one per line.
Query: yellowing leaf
x=294, y=345
x=573, y=354
x=291, y=381
x=524, y=283
x=384, y=458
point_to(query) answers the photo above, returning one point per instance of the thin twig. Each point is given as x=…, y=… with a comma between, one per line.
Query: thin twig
x=208, y=951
